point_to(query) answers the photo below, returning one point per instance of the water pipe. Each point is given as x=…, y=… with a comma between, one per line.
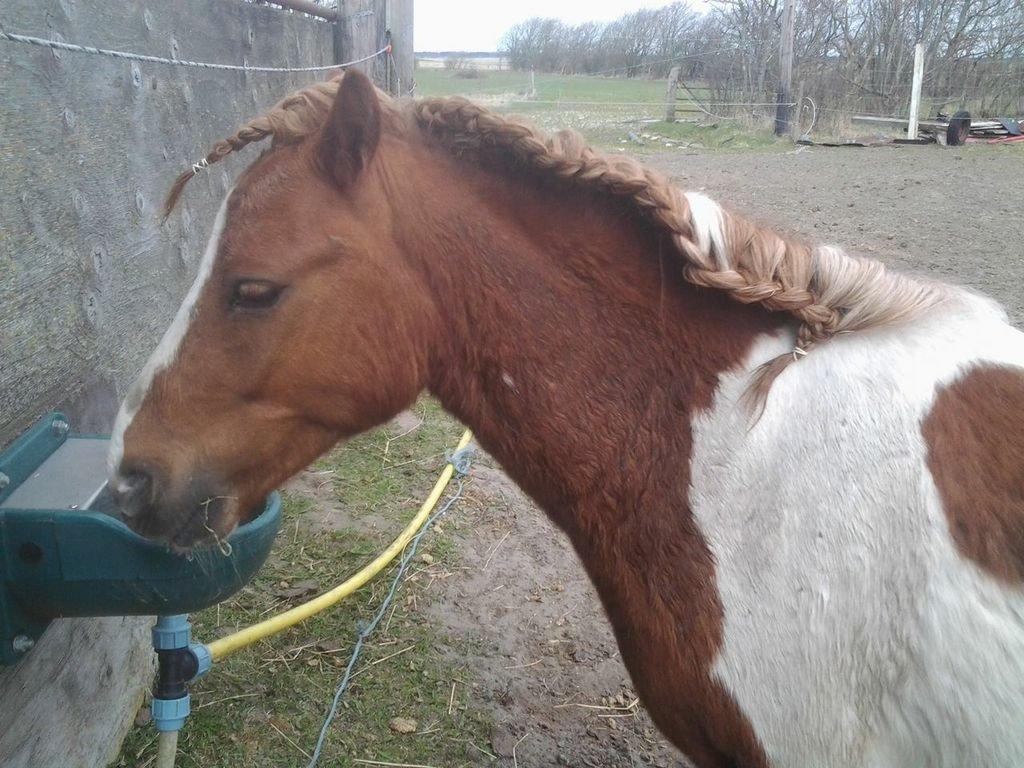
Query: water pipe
x=179, y=662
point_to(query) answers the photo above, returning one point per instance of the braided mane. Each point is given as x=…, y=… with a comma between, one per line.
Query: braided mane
x=290, y=120
x=827, y=290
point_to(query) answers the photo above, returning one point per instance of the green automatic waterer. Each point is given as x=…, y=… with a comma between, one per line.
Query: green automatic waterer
x=60, y=555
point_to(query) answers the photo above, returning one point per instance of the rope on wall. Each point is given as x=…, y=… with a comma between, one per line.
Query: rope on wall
x=62, y=46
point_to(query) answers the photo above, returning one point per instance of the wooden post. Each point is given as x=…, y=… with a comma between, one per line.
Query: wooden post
x=365, y=26
x=533, y=84
x=670, y=95
x=915, y=92
x=344, y=33
x=783, y=95
x=403, y=52
x=796, y=114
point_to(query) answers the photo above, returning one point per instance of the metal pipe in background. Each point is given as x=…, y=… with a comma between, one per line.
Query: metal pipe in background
x=308, y=6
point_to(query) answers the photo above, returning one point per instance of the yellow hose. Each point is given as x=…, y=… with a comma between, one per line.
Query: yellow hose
x=233, y=642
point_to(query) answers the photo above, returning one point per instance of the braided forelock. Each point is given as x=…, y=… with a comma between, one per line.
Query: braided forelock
x=827, y=290
x=290, y=120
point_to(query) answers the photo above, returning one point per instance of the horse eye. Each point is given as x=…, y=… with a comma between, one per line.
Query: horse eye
x=255, y=294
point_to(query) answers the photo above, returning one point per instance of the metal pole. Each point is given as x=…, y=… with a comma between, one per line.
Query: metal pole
x=915, y=93
x=783, y=96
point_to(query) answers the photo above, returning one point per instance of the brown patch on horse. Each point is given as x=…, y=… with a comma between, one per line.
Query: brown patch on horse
x=975, y=437
x=580, y=359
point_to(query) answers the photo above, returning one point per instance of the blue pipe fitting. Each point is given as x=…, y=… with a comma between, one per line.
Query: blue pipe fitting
x=170, y=714
x=171, y=632
x=180, y=661
x=204, y=659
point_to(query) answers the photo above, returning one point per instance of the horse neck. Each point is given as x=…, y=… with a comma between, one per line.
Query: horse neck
x=569, y=341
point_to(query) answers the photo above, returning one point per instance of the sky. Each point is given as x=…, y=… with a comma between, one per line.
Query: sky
x=477, y=25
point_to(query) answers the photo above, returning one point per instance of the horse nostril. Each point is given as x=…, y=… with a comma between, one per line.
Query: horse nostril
x=138, y=483
x=134, y=489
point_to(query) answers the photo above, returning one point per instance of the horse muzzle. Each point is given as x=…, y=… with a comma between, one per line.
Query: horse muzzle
x=182, y=516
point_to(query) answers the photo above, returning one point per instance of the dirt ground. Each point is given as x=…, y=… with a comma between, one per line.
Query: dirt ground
x=541, y=655
x=531, y=631
x=953, y=213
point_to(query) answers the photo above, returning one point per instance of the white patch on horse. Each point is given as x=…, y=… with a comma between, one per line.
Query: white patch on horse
x=709, y=226
x=855, y=634
x=167, y=350
x=508, y=381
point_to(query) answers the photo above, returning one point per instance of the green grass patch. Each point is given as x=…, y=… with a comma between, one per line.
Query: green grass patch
x=728, y=135
x=264, y=705
x=611, y=112
x=550, y=87
x=382, y=468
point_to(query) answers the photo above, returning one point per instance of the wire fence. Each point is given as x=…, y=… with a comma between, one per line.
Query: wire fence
x=460, y=461
x=843, y=88
x=713, y=88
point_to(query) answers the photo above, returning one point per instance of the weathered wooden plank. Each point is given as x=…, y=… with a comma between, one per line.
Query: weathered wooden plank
x=898, y=122
x=359, y=32
x=71, y=701
x=362, y=29
x=401, y=25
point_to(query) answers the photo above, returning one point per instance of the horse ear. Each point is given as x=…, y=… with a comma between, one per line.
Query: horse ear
x=352, y=132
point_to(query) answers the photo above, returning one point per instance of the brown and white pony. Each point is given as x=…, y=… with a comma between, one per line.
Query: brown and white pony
x=795, y=479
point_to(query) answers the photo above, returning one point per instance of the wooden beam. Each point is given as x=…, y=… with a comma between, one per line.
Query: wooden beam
x=794, y=115
x=308, y=6
x=359, y=31
x=932, y=125
x=404, y=61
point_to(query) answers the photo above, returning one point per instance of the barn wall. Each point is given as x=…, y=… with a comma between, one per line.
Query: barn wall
x=89, y=277
x=88, y=146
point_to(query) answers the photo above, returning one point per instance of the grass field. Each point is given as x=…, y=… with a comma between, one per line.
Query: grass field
x=611, y=112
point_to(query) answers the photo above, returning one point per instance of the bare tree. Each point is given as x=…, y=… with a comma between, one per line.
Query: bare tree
x=852, y=55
